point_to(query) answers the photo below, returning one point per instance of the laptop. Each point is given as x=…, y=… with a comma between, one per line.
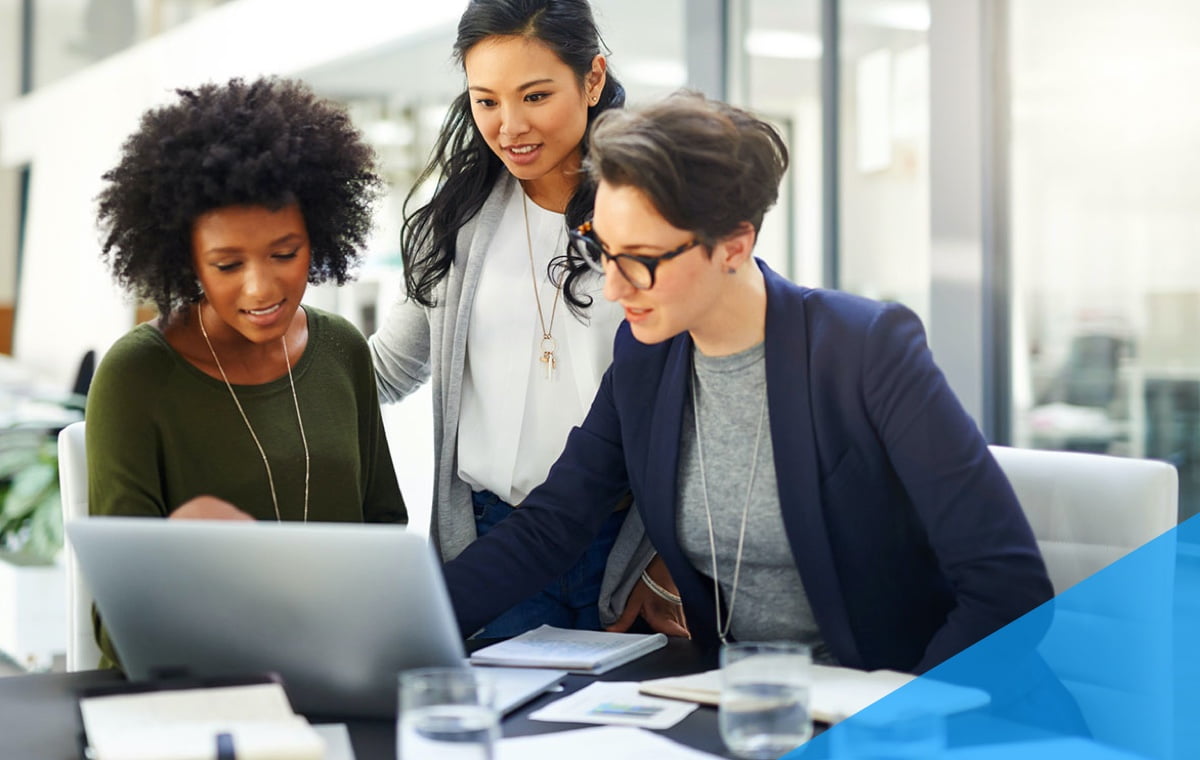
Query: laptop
x=336, y=609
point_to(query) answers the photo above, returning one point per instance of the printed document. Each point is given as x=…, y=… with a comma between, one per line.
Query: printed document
x=615, y=703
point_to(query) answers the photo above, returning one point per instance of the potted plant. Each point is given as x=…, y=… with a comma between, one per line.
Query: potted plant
x=32, y=583
x=30, y=509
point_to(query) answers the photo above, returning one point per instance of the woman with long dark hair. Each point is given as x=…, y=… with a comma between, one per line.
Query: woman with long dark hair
x=516, y=355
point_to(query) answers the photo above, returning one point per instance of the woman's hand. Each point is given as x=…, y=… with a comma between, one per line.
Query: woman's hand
x=208, y=508
x=663, y=615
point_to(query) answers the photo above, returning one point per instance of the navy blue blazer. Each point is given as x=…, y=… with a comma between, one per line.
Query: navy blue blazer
x=908, y=538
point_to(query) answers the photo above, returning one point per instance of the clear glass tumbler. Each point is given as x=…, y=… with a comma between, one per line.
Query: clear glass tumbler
x=446, y=713
x=765, y=692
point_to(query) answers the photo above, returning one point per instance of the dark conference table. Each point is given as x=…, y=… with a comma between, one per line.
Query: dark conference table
x=39, y=717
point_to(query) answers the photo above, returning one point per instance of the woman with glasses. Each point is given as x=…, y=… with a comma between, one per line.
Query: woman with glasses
x=798, y=459
x=514, y=356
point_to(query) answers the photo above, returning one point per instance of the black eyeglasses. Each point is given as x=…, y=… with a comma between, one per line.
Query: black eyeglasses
x=637, y=270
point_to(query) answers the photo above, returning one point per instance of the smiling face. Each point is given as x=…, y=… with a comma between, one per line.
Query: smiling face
x=686, y=287
x=530, y=107
x=252, y=263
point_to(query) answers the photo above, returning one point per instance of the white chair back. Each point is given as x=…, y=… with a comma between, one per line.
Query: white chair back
x=82, y=652
x=1088, y=511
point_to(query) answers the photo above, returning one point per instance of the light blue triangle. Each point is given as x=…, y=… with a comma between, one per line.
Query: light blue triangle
x=1109, y=669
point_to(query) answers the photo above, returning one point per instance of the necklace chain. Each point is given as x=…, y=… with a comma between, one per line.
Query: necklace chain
x=548, y=344
x=295, y=400
x=723, y=630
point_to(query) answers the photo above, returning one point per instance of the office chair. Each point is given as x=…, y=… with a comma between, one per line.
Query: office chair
x=82, y=652
x=1088, y=511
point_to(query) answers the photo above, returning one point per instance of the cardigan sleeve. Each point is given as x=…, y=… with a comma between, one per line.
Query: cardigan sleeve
x=974, y=523
x=400, y=350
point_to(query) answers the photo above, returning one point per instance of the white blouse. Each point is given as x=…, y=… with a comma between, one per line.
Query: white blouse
x=513, y=420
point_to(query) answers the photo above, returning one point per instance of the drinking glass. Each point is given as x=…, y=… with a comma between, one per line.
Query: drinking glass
x=765, y=687
x=446, y=713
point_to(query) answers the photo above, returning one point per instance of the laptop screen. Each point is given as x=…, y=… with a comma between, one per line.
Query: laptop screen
x=336, y=609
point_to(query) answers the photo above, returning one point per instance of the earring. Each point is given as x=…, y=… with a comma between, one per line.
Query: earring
x=730, y=270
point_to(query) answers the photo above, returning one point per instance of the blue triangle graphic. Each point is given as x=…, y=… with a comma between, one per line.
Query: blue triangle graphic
x=1108, y=670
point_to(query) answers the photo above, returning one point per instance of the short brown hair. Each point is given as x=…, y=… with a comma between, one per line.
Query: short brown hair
x=707, y=166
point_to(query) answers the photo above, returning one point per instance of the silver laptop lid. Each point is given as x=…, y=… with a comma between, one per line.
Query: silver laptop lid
x=336, y=609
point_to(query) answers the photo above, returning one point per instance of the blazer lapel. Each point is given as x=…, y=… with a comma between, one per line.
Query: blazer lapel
x=796, y=472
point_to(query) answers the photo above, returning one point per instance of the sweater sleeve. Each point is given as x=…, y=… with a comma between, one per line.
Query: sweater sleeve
x=400, y=351
x=121, y=445
x=122, y=439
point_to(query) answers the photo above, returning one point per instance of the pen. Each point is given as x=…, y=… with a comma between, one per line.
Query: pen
x=225, y=747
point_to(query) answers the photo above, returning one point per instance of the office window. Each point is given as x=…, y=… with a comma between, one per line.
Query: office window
x=646, y=40
x=775, y=72
x=884, y=151
x=1104, y=231
x=70, y=35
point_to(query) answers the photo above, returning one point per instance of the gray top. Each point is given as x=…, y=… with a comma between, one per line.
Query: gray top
x=771, y=603
x=416, y=344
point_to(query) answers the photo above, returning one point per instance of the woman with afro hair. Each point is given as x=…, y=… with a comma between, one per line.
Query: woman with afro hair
x=238, y=402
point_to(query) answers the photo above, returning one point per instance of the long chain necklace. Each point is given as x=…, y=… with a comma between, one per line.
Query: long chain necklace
x=296, y=401
x=548, y=344
x=723, y=630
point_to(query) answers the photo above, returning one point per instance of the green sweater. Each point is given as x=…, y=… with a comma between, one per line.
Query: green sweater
x=160, y=431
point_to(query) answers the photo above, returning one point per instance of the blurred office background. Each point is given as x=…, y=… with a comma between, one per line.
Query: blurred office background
x=1022, y=173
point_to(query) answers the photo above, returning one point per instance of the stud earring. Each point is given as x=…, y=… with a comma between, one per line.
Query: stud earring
x=730, y=270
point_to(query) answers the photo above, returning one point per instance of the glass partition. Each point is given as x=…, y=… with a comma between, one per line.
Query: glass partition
x=884, y=151
x=776, y=46
x=1106, y=283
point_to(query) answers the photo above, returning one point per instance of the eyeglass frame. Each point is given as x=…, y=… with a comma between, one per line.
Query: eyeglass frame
x=586, y=234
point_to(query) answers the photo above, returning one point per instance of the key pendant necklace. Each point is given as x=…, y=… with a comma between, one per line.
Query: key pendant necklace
x=548, y=345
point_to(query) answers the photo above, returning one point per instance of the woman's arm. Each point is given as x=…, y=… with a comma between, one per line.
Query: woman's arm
x=124, y=477
x=553, y=526
x=400, y=351
x=983, y=543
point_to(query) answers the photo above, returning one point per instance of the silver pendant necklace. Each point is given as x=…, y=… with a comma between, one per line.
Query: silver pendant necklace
x=548, y=344
x=723, y=630
x=296, y=401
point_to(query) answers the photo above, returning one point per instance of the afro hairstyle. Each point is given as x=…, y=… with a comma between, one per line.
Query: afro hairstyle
x=270, y=142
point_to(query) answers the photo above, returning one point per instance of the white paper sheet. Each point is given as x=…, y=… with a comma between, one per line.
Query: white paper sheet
x=604, y=743
x=615, y=703
x=184, y=723
x=337, y=741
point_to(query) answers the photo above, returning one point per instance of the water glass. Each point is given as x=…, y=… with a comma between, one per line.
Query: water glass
x=446, y=713
x=765, y=691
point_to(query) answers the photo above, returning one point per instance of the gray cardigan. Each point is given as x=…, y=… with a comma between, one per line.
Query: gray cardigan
x=416, y=342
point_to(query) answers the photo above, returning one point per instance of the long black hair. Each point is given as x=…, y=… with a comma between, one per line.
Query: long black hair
x=467, y=166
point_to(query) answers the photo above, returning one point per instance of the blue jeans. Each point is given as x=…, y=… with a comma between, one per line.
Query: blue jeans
x=569, y=601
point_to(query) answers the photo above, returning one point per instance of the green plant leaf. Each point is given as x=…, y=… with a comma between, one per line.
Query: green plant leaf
x=27, y=489
x=46, y=526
